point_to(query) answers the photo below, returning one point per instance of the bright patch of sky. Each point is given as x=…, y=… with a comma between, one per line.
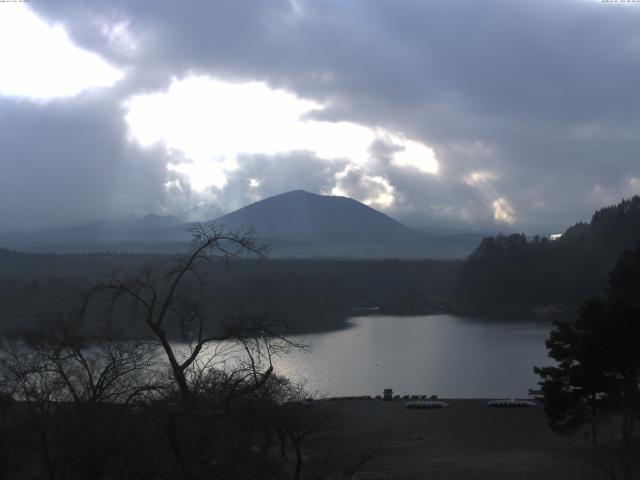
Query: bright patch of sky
x=482, y=180
x=503, y=211
x=379, y=191
x=38, y=61
x=206, y=124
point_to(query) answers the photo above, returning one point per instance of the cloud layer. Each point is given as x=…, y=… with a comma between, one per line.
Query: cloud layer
x=528, y=108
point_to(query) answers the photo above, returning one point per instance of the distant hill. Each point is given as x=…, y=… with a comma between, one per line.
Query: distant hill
x=157, y=221
x=100, y=234
x=302, y=216
x=294, y=224
x=302, y=225
x=516, y=270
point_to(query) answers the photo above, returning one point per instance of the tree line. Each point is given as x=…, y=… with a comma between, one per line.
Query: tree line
x=515, y=270
x=313, y=294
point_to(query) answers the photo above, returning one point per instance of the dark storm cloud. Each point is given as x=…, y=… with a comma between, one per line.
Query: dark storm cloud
x=541, y=95
x=68, y=161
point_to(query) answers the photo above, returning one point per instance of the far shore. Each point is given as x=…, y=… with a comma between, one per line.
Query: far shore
x=324, y=321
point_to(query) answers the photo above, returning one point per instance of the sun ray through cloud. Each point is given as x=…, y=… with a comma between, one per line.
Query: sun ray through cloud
x=210, y=123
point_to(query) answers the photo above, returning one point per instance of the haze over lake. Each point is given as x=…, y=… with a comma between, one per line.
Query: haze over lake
x=443, y=355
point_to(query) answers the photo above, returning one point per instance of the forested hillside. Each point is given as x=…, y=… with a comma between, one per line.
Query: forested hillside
x=513, y=270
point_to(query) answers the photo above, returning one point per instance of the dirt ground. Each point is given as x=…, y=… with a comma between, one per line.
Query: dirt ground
x=467, y=441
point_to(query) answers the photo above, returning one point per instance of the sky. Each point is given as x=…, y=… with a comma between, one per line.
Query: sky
x=463, y=115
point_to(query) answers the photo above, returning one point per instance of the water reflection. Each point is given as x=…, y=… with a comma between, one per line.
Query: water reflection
x=437, y=354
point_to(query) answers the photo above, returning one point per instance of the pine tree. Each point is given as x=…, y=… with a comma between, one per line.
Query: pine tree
x=598, y=358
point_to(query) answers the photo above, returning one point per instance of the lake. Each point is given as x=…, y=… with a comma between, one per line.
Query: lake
x=445, y=355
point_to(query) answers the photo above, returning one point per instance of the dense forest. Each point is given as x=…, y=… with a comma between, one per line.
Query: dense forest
x=513, y=270
x=312, y=295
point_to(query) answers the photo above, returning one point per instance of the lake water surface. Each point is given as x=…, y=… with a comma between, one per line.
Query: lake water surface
x=432, y=354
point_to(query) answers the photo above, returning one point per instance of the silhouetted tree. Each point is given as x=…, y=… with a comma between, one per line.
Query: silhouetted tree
x=576, y=389
x=166, y=299
x=597, y=378
x=71, y=393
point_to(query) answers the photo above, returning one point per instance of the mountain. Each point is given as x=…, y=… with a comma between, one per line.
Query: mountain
x=302, y=216
x=293, y=224
x=303, y=224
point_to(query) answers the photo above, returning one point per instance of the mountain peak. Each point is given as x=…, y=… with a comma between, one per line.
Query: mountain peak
x=299, y=215
x=297, y=193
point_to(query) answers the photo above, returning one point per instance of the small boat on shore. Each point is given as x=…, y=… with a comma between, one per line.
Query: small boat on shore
x=426, y=404
x=511, y=403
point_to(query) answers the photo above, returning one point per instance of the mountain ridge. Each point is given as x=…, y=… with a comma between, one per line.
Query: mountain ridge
x=295, y=224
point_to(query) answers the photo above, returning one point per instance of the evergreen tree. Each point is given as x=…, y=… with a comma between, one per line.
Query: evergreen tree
x=598, y=358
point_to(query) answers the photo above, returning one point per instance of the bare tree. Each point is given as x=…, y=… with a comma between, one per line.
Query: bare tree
x=320, y=444
x=8, y=448
x=38, y=394
x=98, y=406
x=64, y=382
x=161, y=298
